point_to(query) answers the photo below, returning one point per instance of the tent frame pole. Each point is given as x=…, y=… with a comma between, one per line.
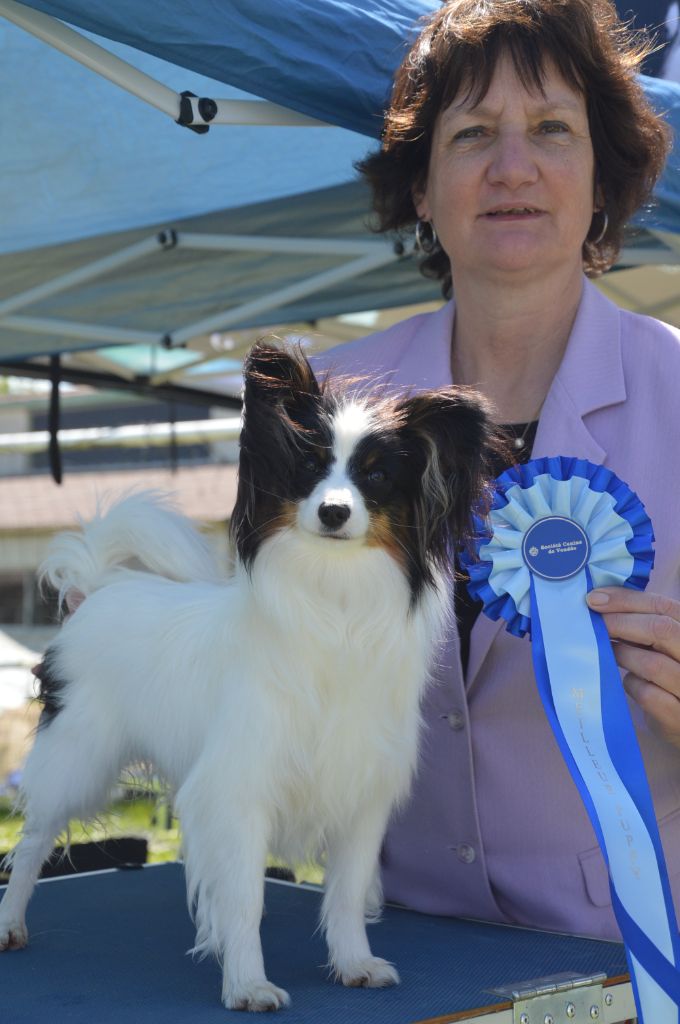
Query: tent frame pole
x=87, y=272
x=280, y=297
x=186, y=109
x=80, y=330
x=285, y=244
x=361, y=258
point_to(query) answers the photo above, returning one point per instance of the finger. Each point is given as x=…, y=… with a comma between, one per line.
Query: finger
x=651, y=666
x=624, y=599
x=650, y=630
x=662, y=711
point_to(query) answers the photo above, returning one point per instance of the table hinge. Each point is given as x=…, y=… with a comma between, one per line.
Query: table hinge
x=559, y=999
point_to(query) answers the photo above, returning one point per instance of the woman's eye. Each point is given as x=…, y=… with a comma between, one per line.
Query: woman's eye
x=553, y=127
x=469, y=133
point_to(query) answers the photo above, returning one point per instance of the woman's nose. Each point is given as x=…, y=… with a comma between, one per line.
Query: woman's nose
x=513, y=160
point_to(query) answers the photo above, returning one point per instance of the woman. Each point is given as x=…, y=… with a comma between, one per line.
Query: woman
x=520, y=142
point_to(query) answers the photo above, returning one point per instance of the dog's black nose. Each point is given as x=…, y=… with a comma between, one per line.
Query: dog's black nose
x=332, y=515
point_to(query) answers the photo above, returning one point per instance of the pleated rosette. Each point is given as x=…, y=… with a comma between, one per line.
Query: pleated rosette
x=619, y=533
x=559, y=527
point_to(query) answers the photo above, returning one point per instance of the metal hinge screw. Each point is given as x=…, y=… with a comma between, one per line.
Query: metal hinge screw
x=609, y=999
x=594, y=1012
x=571, y=1010
x=548, y=1019
x=524, y=1019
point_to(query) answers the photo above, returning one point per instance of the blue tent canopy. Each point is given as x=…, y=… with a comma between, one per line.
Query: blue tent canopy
x=95, y=174
x=81, y=157
x=330, y=59
x=92, y=173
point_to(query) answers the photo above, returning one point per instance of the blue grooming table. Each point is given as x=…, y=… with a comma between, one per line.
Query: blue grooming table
x=110, y=948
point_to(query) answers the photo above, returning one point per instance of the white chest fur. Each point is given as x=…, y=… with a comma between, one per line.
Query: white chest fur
x=344, y=676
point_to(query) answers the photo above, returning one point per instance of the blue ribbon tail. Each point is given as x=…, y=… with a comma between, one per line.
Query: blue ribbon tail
x=581, y=690
x=665, y=974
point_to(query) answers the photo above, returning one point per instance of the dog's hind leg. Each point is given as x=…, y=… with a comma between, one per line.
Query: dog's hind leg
x=68, y=774
x=225, y=833
x=351, y=874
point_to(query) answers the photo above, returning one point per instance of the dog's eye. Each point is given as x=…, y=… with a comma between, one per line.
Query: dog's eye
x=311, y=464
x=376, y=476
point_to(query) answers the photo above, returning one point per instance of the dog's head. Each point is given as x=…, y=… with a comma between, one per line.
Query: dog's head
x=344, y=468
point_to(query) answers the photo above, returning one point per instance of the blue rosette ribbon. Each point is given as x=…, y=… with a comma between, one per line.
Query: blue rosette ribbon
x=559, y=527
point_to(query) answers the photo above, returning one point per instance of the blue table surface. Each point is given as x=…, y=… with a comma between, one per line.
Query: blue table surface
x=111, y=947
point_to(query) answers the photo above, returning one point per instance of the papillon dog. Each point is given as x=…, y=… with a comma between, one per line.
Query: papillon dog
x=281, y=701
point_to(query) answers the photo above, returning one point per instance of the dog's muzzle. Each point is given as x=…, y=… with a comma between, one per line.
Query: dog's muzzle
x=332, y=515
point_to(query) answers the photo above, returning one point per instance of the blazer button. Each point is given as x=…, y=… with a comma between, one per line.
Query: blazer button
x=466, y=853
x=456, y=720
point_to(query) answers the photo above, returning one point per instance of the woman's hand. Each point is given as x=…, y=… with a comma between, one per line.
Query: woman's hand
x=647, y=628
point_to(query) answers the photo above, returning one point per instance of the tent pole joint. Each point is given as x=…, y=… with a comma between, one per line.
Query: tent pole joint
x=169, y=344
x=167, y=239
x=205, y=108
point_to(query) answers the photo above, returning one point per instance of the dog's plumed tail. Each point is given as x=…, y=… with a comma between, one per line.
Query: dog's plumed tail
x=142, y=531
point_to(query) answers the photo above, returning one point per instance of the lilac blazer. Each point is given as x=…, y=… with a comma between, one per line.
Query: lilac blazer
x=495, y=828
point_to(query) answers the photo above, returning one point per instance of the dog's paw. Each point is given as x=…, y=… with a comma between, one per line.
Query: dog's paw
x=260, y=996
x=13, y=934
x=372, y=972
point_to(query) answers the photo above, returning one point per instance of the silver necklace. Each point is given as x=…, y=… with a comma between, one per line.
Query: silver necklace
x=519, y=442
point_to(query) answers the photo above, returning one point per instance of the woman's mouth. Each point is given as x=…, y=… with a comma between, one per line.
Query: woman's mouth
x=514, y=213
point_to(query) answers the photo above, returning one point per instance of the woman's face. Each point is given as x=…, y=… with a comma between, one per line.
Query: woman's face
x=510, y=184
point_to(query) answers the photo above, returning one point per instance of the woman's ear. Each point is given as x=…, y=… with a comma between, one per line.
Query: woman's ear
x=419, y=197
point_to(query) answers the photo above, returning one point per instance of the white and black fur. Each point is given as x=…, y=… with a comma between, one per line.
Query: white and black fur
x=281, y=703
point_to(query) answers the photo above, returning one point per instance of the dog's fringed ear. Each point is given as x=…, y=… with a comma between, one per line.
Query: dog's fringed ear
x=280, y=401
x=278, y=374
x=452, y=433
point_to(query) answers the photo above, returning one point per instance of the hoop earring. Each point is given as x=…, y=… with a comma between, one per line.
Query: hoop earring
x=603, y=232
x=426, y=237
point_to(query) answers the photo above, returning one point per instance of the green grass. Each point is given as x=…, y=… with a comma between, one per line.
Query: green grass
x=144, y=817
x=147, y=817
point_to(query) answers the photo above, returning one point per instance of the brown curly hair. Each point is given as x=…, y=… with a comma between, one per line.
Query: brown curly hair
x=457, y=52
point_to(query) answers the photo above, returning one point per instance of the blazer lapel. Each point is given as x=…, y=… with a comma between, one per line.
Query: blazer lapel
x=590, y=377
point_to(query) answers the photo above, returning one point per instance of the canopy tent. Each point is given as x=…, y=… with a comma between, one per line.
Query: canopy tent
x=328, y=59
x=95, y=176
x=127, y=242
x=174, y=293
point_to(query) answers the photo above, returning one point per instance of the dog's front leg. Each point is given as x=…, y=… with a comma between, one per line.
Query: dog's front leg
x=225, y=848
x=351, y=873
